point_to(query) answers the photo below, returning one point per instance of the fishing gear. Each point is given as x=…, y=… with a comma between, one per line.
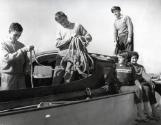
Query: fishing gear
x=77, y=57
x=32, y=84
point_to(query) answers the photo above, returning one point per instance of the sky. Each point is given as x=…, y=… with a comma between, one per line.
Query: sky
x=37, y=19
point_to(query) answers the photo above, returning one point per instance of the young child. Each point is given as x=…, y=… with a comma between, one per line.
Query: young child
x=127, y=81
x=145, y=80
x=14, y=59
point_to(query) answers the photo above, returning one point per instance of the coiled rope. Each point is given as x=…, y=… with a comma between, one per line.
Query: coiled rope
x=78, y=56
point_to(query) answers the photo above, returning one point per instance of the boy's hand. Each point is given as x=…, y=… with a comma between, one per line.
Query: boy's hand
x=29, y=48
x=138, y=85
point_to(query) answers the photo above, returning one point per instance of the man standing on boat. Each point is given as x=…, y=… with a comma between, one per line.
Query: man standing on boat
x=14, y=59
x=123, y=31
x=67, y=31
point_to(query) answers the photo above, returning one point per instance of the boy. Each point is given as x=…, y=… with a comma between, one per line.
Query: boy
x=66, y=32
x=123, y=31
x=127, y=81
x=145, y=80
x=14, y=59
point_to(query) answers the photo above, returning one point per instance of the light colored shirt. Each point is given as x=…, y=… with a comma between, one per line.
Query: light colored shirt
x=64, y=37
x=123, y=26
x=13, y=57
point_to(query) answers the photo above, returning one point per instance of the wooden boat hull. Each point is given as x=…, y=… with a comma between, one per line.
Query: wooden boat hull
x=94, y=81
x=27, y=106
x=10, y=99
x=111, y=110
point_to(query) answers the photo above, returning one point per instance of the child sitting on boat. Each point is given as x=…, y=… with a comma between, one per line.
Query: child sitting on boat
x=145, y=80
x=126, y=79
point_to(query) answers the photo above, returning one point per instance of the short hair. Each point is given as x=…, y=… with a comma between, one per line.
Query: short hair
x=15, y=27
x=115, y=8
x=60, y=14
x=123, y=54
x=135, y=54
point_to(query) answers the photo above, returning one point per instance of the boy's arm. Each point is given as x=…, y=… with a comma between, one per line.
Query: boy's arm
x=147, y=77
x=27, y=68
x=8, y=57
x=60, y=41
x=136, y=81
x=130, y=27
x=115, y=33
x=138, y=84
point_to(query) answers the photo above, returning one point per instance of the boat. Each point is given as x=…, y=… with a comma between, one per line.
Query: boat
x=39, y=86
x=82, y=101
x=118, y=109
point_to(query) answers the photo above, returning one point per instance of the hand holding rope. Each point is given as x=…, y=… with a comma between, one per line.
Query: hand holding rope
x=78, y=55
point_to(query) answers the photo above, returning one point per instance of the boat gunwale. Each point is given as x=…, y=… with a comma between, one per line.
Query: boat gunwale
x=35, y=108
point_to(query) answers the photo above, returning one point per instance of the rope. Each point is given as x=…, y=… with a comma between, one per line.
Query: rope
x=77, y=55
x=32, y=85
